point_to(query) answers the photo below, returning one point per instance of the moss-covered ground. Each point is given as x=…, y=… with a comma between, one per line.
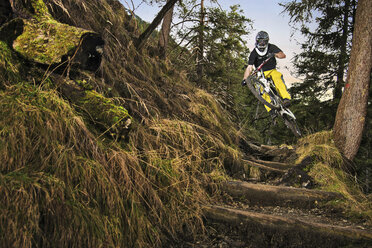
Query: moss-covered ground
x=331, y=172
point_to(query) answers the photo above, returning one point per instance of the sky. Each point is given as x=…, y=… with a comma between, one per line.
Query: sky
x=265, y=14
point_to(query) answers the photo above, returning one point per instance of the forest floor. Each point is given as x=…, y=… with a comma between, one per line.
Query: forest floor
x=264, y=212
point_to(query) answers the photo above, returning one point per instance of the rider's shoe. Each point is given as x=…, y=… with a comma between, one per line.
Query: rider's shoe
x=286, y=102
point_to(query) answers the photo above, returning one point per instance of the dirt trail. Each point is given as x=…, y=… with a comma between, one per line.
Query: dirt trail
x=258, y=212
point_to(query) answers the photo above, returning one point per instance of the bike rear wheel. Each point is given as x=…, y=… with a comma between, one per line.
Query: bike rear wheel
x=254, y=86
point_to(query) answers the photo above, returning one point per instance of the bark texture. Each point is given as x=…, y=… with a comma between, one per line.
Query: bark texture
x=351, y=112
x=343, y=54
x=268, y=195
x=164, y=33
x=199, y=66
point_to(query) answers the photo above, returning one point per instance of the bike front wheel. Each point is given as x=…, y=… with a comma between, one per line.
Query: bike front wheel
x=255, y=87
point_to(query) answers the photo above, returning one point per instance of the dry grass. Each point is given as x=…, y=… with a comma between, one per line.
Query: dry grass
x=62, y=186
x=48, y=154
x=328, y=170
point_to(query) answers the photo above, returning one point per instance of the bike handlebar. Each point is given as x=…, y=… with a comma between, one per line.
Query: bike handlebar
x=259, y=67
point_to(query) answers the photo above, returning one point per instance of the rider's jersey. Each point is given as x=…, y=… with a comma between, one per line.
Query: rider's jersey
x=256, y=59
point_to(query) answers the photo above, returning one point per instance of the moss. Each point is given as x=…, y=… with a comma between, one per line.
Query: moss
x=47, y=41
x=327, y=171
x=84, y=84
x=114, y=119
x=164, y=172
x=44, y=40
x=40, y=10
x=9, y=65
x=306, y=145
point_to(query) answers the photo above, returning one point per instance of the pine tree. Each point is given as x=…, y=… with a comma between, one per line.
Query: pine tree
x=326, y=51
x=225, y=43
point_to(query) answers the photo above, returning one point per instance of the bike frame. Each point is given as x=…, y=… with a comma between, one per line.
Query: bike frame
x=259, y=68
x=266, y=85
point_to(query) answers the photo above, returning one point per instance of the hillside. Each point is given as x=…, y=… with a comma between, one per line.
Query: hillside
x=105, y=146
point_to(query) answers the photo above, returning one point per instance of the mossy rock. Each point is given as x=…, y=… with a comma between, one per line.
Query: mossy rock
x=114, y=119
x=46, y=41
x=106, y=116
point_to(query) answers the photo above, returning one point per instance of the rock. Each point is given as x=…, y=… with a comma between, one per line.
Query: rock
x=41, y=39
x=112, y=120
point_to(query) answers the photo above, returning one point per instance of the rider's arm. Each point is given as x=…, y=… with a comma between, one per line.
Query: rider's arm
x=280, y=55
x=248, y=71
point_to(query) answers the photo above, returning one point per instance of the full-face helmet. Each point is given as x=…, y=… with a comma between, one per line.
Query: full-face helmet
x=262, y=40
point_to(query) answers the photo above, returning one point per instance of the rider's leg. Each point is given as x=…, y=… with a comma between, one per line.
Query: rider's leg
x=272, y=113
x=267, y=98
x=278, y=80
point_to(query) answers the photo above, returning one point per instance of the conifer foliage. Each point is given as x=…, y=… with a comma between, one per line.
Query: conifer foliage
x=327, y=26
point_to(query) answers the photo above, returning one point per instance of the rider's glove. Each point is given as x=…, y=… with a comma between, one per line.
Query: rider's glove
x=244, y=83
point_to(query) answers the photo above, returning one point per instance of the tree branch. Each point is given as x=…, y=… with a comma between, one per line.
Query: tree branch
x=141, y=41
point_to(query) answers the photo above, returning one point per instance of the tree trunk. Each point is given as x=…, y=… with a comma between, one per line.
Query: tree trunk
x=142, y=39
x=199, y=65
x=354, y=14
x=269, y=195
x=164, y=33
x=351, y=112
x=343, y=54
x=259, y=227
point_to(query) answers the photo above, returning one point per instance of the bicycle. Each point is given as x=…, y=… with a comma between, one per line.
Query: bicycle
x=259, y=85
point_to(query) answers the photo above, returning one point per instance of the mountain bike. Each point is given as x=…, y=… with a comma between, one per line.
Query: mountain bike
x=259, y=85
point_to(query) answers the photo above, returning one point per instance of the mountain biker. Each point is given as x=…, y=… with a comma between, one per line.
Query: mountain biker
x=263, y=50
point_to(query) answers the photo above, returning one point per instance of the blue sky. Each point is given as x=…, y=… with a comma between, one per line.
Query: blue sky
x=265, y=14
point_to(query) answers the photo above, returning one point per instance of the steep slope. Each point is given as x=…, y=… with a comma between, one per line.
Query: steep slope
x=100, y=145
x=103, y=146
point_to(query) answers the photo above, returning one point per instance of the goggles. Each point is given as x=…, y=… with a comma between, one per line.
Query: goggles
x=262, y=42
